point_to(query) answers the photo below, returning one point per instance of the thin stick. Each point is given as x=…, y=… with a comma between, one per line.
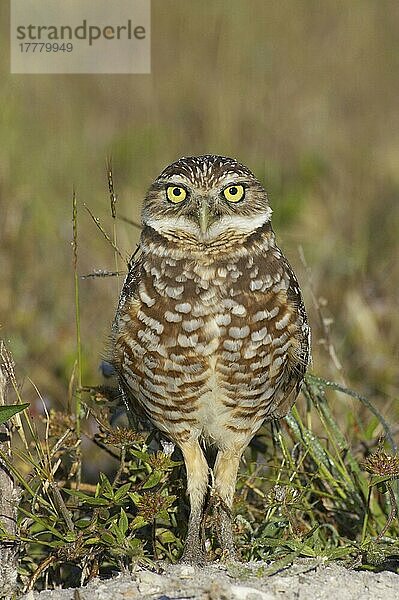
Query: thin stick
x=60, y=504
x=96, y=221
x=113, y=203
x=112, y=196
x=121, y=466
x=366, y=516
x=44, y=565
x=102, y=273
x=78, y=394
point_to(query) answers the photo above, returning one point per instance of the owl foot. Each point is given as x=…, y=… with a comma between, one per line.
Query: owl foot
x=194, y=547
x=193, y=556
x=194, y=552
x=224, y=532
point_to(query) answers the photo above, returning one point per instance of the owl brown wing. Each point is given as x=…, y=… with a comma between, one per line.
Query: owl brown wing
x=295, y=297
x=131, y=284
x=299, y=359
x=129, y=302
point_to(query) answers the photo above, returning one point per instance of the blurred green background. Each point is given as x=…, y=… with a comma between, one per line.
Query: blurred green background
x=303, y=92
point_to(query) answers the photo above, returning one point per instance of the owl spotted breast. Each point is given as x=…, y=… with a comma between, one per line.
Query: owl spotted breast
x=211, y=336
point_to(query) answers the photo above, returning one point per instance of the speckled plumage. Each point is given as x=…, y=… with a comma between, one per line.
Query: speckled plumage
x=211, y=336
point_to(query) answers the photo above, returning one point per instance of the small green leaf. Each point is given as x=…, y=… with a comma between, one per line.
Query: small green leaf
x=56, y=544
x=338, y=553
x=135, y=544
x=307, y=551
x=76, y=493
x=108, y=538
x=85, y=499
x=122, y=492
x=135, y=497
x=167, y=537
x=123, y=523
x=105, y=487
x=153, y=480
x=138, y=522
x=96, y=501
x=377, y=479
x=83, y=523
x=114, y=529
x=278, y=565
x=163, y=514
x=144, y=456
x=8, y=411
x=92, y=541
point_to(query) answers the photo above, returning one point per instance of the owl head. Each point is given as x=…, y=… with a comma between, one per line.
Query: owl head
x=205, y=197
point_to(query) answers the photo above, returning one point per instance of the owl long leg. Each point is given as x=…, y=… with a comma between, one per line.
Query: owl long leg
x=197, y=483
x=225, y=470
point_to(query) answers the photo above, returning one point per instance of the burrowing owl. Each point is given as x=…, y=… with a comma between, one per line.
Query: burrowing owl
x=211, y=336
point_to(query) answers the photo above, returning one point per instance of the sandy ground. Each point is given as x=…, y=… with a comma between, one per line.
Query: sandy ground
x=305, y=580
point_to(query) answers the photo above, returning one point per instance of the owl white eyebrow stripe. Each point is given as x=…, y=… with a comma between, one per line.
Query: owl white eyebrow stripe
x=244, y=182
x=176, y=184
x=174, y=180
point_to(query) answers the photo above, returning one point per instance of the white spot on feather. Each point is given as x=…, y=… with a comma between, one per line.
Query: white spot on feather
x=239, y=310
x=172, y=317
x=153, y=323
x=184, y=307
x=144, y=297
x=257, y=336
x=232, y=345
x=174, y=292
x=223, y=319
x=186, y=341
x=255, y=285
x=283, y=322
x=239, y=332
x=192, y=325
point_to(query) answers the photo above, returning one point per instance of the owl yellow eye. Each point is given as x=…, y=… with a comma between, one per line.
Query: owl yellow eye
x=176, y=194
x=234, y=193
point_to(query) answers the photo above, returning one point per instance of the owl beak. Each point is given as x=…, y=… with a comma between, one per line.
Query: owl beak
x=205, y=217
